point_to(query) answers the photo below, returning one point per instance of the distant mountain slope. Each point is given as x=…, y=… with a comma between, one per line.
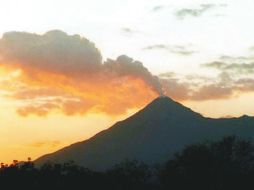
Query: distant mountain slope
x=152, y=135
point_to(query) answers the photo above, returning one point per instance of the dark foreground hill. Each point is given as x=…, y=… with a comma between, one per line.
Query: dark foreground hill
x=152, y=135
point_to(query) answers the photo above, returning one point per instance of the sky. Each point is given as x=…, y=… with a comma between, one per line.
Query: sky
x=69, y=69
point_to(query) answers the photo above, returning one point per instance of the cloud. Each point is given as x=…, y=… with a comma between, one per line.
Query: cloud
x=235, y=77
x=156, y=46
x=55, y=51
x=175, y=89
x=215, y=64
x=188, y=91
x=157, y=8
x=196, y=12
x=236, y=59
x=167, y=75
x=57, y=72
x=251, y=49
x=238, y=68
x=128, y=31
x=212, y=92
x=40, y=144
x=126, y=66
x=202, y=88
x=65, y=73
x=245, y=84
x=175, y=49
x=181, y=50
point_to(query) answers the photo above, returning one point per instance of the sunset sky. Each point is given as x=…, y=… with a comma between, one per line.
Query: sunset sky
x=71, y=68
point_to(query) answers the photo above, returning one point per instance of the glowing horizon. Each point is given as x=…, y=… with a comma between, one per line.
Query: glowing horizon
x=64, y=77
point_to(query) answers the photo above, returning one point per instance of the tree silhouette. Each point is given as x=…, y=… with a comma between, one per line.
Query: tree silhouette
x=129, y=175
x=227, y=164
x=224, y=165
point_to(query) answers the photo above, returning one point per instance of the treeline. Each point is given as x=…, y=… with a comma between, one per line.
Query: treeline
x=224, y=165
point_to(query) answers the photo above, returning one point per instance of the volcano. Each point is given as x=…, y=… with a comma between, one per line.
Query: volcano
x=152, y=136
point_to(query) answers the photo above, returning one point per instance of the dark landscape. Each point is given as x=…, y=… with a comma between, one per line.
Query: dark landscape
x=226, y=164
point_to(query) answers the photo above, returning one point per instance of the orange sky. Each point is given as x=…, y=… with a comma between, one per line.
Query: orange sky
x=55, y=89
x=29, y=130
x=33, y=135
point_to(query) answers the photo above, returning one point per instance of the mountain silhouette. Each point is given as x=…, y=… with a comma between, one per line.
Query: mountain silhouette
x=152, y=135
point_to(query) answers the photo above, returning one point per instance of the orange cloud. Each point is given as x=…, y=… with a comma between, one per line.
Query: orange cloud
x=58, y=72
x=39, y=144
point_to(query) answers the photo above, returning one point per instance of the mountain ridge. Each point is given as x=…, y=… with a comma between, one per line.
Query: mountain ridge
x=151, y=135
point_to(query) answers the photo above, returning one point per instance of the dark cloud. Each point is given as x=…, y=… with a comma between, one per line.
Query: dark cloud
x=235, y=58
x=238, y=68
x=181, y=50
x=126, y=66
x=235, y=76
x=175, y=89
x=197, y=78
x=158, y=8
x=128, y=31
x=191, y=90
x=55, y=51
x=215, y=64
x=202, y=88
x=244, y=68
x=245, y=84
x=175, y=49
x=196, y=12
x=156, y=46
x=211, y=92
x=167, y=75
x=251, y=48
x=225, y=78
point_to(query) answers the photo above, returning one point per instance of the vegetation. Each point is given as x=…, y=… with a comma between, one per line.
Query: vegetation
x=227, y=164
